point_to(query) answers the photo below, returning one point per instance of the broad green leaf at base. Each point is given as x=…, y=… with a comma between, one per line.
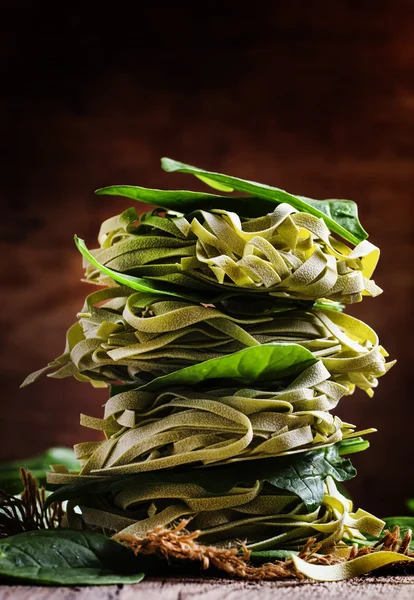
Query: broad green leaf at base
x=66, y=557
x=67, y=576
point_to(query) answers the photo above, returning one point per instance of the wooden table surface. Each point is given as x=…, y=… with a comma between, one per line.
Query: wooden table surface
x=399, y=587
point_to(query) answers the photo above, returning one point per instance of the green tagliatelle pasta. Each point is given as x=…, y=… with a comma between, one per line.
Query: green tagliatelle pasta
x=124, y=336
x=256, y=512
x=227, y=352
x=287, y=254
x=148, y=431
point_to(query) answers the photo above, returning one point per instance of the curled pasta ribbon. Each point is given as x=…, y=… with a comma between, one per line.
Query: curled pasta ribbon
x=286, y=253
x=254, y=511
x=148, y=431
x=349, y=569
x=121, y=336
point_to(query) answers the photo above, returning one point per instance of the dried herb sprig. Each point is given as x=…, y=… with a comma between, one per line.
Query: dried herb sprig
x=28, y=512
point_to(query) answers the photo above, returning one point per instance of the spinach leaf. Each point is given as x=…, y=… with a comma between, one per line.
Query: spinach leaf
x=352, y=445
x=173, y=199
x=410, y=504
x=155, y=287
x=304, y=476
x=264, y=556
x=10, y=480
x=66, y=557
x=186, y=201
x=403, y=522
x=136, y=283
x=301, y=474
x=264, y=363
x=341, y=216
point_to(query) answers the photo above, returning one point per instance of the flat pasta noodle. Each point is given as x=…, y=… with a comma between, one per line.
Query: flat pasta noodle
x=287, y=253
x=349, y=569
x=122, y=335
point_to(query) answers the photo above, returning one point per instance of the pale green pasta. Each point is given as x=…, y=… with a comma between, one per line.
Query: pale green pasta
x=132, y=336
x=223, y=340
x=256, y=513
x=350, y=568
x=287, y=254
x=147, y=431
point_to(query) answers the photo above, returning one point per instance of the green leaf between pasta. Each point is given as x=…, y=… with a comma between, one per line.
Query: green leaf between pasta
x=66, y=557
x=341, y=216
x=258, y=363
x=352, y=446
x=136, y=283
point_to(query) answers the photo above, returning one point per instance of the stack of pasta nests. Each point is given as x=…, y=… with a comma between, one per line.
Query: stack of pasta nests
x=222, y=337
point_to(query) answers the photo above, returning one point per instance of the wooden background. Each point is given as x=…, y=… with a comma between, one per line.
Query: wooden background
x=314, y=97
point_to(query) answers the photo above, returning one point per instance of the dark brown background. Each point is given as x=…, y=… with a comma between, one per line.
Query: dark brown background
x=314, y=97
